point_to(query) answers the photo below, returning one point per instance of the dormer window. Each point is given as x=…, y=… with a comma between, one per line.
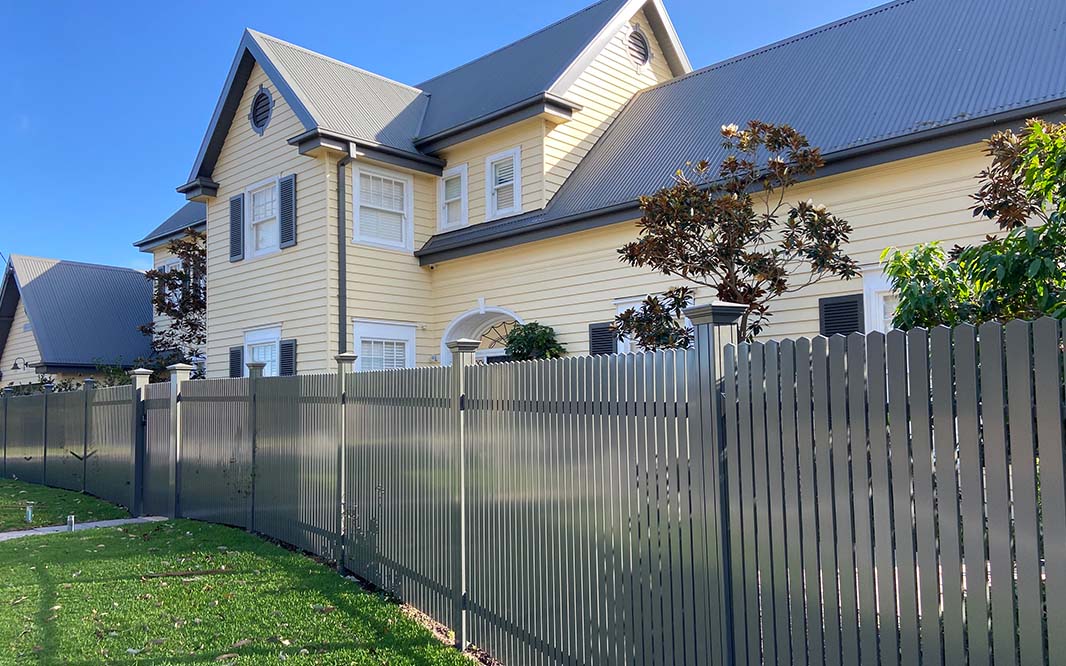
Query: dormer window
x=503, y=189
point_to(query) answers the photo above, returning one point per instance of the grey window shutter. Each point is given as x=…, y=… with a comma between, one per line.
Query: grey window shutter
x=236, y=361
x=602, y=339
x=236, y=228
x=841, y=315
x=287, y=358
x=287, y=211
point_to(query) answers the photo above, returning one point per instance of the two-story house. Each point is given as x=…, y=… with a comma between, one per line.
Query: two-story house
x=346, y=211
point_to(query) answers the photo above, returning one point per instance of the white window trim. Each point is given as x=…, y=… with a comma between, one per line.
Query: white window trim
x=464, y=215
x=624, y=344
x=249, y=236
x=408, y=243
x=169, y=264
x=516, y=155
x=259, y=336
x=875, y=285
x=377, y=329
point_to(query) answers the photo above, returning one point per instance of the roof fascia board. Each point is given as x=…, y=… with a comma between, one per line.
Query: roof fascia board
x=317, y=139
x=837, y=162
x=149, y=244
x=9, y=300
x=665, y=35
x=248, y=54
x=545, y=103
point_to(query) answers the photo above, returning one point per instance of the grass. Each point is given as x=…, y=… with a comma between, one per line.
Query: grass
x=228, y=598
x=51, y=506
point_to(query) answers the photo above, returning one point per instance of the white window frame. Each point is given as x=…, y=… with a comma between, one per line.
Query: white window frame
x=491, y=213
x=376, y=329
x=166, y=266
x=646, y=67
x=249, y=231
x=464, y=214
x=625, y=344
x=408, y=202
x=260, y=336
x=875, y=286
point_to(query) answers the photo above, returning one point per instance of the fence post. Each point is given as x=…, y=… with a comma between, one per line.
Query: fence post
x=7, y=395
x=179, y=372
x=88, y=385
x=140, y=377
x=462, y=356
x=715, y=328
x=344, y=365
x=47, y=390
x=255, y=373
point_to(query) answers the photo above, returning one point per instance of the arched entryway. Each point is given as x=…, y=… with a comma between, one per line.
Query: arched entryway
x=487, y=324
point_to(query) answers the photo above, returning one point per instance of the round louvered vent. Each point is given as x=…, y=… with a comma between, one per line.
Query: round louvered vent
x=639, y=50
x=262, y=105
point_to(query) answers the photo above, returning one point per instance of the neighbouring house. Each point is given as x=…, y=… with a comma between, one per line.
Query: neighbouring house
x=347, y=211
x=67, y=320
x=189, y=218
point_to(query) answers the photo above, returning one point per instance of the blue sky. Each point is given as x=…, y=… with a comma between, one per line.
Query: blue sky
x=105, y=104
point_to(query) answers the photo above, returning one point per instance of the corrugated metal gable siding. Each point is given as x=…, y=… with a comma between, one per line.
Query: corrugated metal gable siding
x=893, y=71
x=85, y=313
x=513, y=73
x=350, y=101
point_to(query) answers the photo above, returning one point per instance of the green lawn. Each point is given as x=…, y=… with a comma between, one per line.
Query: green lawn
x=51, y=506
x=227, y=598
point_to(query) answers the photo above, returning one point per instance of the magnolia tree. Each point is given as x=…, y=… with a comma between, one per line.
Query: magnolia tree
x=729, y=228
x=180, y=300
x=1019, y=275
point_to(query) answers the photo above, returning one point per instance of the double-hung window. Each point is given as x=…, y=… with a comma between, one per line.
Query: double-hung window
x=879, y=301
x=452, y=195
x=173, y=295
x=383, y=208
x=262, y=202
x=503, y=184
x=384, y=345
x=263, y=346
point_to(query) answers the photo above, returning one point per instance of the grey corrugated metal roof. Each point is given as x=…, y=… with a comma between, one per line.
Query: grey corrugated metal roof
x=346, y=100
x=514, y=73
x=892, y=72
x=84, y=314
x=192, y=214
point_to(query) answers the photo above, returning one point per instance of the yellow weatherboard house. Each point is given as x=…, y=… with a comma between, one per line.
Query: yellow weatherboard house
x=349, y=212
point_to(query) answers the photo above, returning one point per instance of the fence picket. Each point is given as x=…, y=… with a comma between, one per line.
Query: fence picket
x=842, y=497
x=791, y=501
x=1048, y=365
x=1024, y=488
x=763, y=562
x=809, y=499
x=823, y=462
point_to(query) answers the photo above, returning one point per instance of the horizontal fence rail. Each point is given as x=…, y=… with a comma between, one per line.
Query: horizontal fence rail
x=877, y=499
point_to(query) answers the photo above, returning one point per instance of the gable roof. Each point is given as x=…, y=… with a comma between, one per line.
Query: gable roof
x=345, y=104
x=190, y=216
x=905, y=72
x=82, y=315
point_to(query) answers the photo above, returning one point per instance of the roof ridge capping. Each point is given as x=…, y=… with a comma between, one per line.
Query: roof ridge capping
x=866, y=13
x=262, y=35
x=515, y=42
x=71, y=262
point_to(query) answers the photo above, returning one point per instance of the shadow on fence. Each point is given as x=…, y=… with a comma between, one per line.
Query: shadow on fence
x=877, y=499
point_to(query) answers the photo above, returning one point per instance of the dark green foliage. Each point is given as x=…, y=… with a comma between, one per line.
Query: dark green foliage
x=533, y=341
x=1020, y=275
x=659, y=321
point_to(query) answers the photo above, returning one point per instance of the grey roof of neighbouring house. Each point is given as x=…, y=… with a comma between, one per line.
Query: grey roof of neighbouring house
x=82, y=315
x=189, y=216
x=900, y=72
